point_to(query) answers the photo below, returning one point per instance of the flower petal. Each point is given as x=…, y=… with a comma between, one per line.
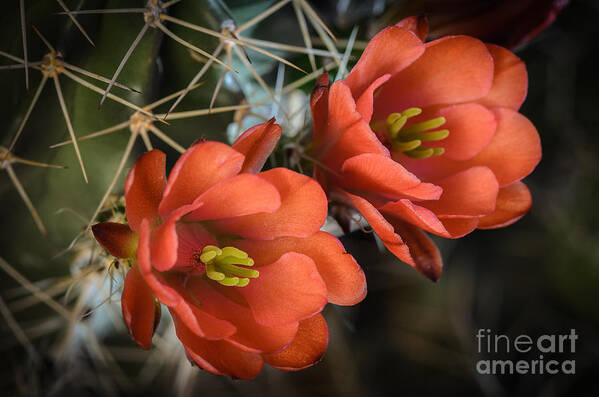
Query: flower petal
x=471, y=128
x=218, y=357
x=472, y=192
x=364, y=104
x=416, y=250
x=116, y=238
x=319, y=106
x=452, y=70
x=510, y=83
x=191, y=239
x=346, y=134
x=144, y=187
x=341, y=115
x=256, y=144
x=250, y=335
x=196, y=318
x=424, y=252
x=416, y=215
x=381, y=227
x=344, y=278
x=161, y=290
x=170, y=292
x=241, y=195
x=390, y=51
x=513, y=201
x=416, y=24
x=377, y=174
x=140, y=311
x=302, y=212
x=286, y=291
x=515, y=149
x=307, y=348
x=459, y=227
x=200, y=167
x=165, y=242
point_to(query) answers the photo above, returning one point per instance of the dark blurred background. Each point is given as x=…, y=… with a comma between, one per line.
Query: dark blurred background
x=409, y=336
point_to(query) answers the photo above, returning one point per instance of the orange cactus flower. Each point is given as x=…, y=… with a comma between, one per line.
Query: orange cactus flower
x=426, y=137
x=236, y=256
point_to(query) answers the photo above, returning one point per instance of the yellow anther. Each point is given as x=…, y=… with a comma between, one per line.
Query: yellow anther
x=230, y=281
x=208, y=256
x=421, y=153
x=395, y=123
x=236, y=252
x=406, y=146
x=225, y=266
x=411, y=112
x=243, y=282
x=425, y=125
x=409, y=139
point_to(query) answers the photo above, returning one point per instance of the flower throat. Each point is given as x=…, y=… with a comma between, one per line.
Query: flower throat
x=408, y=140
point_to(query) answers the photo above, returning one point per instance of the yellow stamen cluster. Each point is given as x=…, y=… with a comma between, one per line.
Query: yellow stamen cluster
x=409, y=139
x=221, y=266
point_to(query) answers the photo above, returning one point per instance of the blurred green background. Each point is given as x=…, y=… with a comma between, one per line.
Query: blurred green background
x=409, y=336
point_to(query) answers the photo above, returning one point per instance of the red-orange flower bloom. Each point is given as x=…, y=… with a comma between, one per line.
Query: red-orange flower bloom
x=427, y=137
x=235, y=254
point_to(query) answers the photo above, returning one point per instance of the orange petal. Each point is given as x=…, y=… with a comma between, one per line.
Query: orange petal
x=364, y=104
x=513, y=202
x=218, y=357
x=302, y=212
x=451, y=70
x=416, y=250
x=471, y=128
x=250, y=335
x=347, y=135
x=459, y=227
x=377, y=174
x=286, y=291
x=341, y=114
x=307, y=348
x=423, y=191
x=424, y=252
x=241, y=195
x=390, y=51
x=161, y=290
x=144, y=187
x=416, y=215
x=515, y=149
x=200, y=167
x=510, y=83
x=416, y=24
x=140, y=311
x=344, y=278
x=116, y=238
x=319, y=105
x=196, y=318
x=165, y=242
x=191, y=239
x=472, y=192
x=171, y=293
x=256, y=144
x=381, y=227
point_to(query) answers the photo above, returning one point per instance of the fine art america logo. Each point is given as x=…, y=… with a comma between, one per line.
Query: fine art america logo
x=548, y=353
